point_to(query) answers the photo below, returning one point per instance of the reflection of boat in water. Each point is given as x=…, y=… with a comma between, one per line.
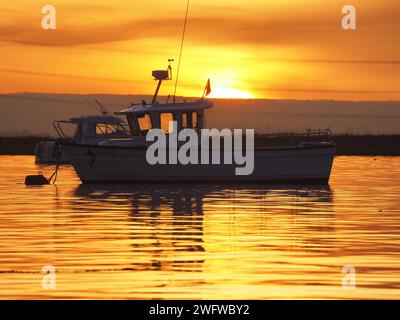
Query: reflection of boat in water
x=309, y=160
x=166, y=223
x=89, y=130
x=159, y=195
x=188, y=219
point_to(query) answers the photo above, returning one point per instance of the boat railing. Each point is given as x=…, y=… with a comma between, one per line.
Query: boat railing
x=58, y=128
x=316, y=135
x=311, y=136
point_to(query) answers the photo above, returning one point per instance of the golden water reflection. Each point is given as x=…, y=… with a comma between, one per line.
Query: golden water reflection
x=200, y=241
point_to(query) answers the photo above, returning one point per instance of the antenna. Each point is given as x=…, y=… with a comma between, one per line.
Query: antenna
x=180, y=51
x=103, y=109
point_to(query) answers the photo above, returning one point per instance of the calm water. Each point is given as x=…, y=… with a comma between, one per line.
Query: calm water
x=202, y=241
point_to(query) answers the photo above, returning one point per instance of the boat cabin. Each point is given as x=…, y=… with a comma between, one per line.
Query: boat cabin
x=142, y=118
x=92, y=129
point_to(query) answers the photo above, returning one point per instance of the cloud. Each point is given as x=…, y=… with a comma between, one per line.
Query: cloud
x=219, y=29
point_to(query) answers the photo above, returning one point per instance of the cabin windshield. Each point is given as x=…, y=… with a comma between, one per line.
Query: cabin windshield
x=165, y=119
x=107, y=129
x=189, y=120
x=144, y=122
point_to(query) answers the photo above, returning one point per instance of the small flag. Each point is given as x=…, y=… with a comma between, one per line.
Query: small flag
x=207, y=89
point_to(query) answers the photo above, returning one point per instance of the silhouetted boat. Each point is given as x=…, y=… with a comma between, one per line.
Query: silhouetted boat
x=89, y=130
x=308, y=160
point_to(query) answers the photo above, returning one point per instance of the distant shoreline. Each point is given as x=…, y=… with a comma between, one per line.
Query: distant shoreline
x=357, y=145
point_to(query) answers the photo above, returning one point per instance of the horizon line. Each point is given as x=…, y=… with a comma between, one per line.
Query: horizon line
x=14, y=95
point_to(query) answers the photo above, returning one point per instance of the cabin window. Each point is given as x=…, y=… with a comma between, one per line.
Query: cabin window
x=132, y=126
x=144, y=123
x=165, y=119
x=106, y=129
x=194, y=120
x=189, y=120
x=78, y=133
x=184, y=120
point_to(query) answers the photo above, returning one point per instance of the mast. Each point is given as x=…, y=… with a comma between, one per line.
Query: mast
x=180, y=51
x=161, y=75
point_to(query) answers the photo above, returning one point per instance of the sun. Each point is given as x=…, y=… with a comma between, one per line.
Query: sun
x=230, y=93
x=229, y=84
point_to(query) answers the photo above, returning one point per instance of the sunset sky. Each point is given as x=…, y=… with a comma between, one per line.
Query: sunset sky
x=249, y=49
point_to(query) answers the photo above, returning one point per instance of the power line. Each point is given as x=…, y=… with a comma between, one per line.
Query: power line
x=310, y=90
x=329, y=61
x=258, y=58
x=60, y=75
x=331, y=91
x=18, y=96
x=34, y=97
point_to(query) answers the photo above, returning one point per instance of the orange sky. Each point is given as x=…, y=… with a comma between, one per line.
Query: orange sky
x=256, y=48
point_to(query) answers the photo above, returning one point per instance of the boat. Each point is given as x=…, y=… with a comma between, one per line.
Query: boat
x=125, y=160
x=87, y=130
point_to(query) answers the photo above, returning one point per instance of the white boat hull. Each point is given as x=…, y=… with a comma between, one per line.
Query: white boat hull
x=101, y=164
